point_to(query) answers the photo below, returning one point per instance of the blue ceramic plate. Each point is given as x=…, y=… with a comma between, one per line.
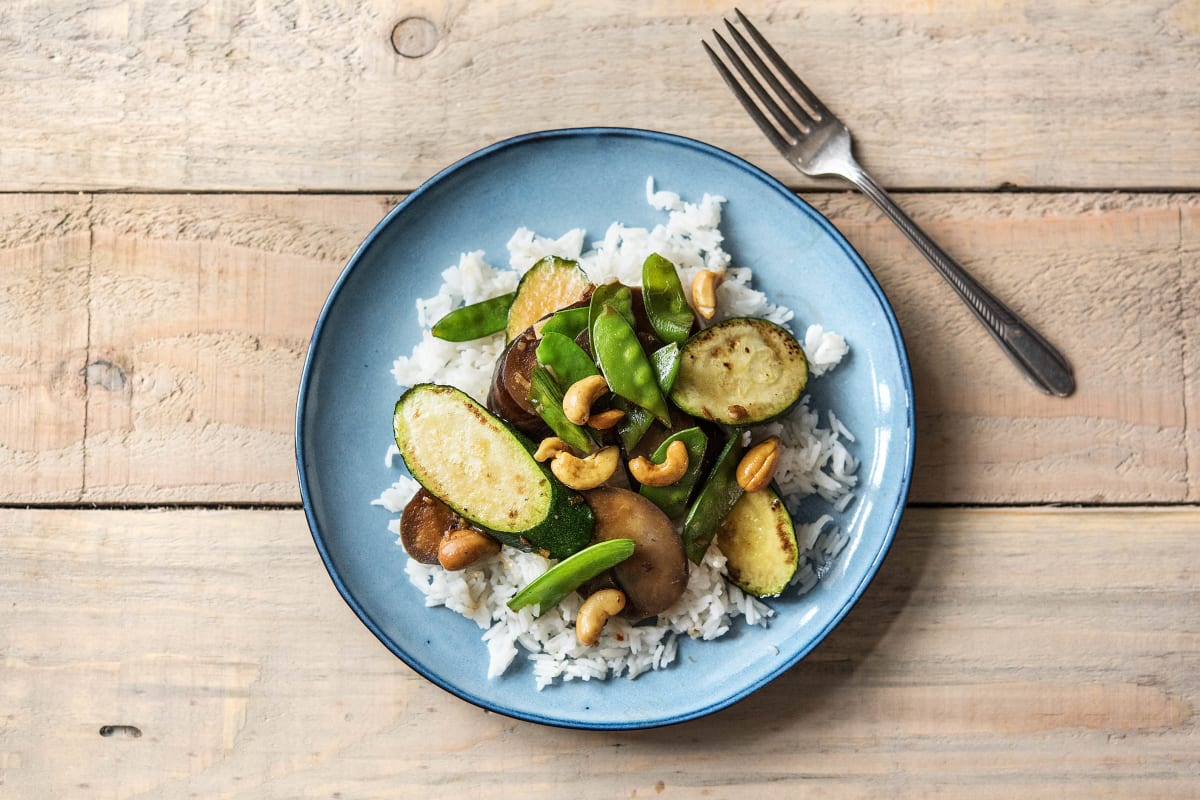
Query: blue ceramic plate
x=552, y=182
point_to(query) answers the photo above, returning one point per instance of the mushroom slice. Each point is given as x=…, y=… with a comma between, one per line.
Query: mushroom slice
x=654, y=577
x=423, y=525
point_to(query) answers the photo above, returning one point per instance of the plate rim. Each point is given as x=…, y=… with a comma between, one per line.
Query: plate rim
x=769, y=181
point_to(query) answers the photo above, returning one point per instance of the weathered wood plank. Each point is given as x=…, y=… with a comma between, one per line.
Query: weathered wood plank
x=179, y=95
x=205, y=306
x=1189, y=238
x=202, y=408
x=44, y=249
x=1067, y=665
x=1109, y=278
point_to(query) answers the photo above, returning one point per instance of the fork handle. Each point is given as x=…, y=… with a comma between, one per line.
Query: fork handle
x=1044, y=366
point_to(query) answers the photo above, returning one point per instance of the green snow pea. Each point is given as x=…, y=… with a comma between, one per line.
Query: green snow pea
x=633, y=426
x=613, y=294
x=478, y=319
x=637, y=420
x=547, y=399
x=547, y=589
x=666, y=305
x=569, y=322
x=717, y=497
x=665, y=361
x=625, y=365
x=566, y=360
x=673, y=499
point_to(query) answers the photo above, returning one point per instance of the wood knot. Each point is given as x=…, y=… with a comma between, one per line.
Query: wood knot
x=414, y=37
x=106, y=375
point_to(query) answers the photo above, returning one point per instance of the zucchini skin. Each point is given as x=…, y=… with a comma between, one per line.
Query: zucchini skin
x=533, y=511
x=741, y=371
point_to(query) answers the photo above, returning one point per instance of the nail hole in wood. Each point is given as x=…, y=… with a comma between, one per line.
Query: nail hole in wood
x=414, y=37
x=120, y=731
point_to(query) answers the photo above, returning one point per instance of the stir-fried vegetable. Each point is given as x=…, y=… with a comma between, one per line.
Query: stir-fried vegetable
x=569, y=322
x=566, y=360
x=549, y=285
x=646, y=366
x=625, y=365
x=546, y=590
x=614, y=295
x=476, y=320
x=666, y=304
x=485, y=471
x=673, y=499
x=740, y=372
x=714, y=502
x=547, y=398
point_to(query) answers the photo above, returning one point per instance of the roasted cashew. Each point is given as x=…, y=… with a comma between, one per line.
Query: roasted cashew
x=596, y=611
x=648, y=473
x=586, y=473
x=757, y=467
x=578, y=399
x=549, y=448
x=463, y=547
x=704, y=292
x=604, y=420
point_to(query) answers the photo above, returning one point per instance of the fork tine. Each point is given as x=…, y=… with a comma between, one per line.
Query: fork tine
x=789, y=126
x=802, y=115
x=747, y=102
x=806, y=94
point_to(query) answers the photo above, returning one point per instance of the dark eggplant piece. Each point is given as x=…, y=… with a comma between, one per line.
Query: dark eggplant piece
x=508, y=396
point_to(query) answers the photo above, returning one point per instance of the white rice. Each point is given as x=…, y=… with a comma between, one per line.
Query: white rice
x=815, y=461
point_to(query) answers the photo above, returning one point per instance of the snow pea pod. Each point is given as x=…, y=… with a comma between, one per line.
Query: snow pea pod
x=569, y=322
x=666, y=305
x=637, y=420
x=666, y=361
x=547, y=399
x=476, y=320
x=546, y=590
x=616, y=295
x=566, y=360
x=673, y=499
x=716, y=499
x=625, y=365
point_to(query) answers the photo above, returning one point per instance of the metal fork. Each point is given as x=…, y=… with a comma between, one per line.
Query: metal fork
x=816, y=142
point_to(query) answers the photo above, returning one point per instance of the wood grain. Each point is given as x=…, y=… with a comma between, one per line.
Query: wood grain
x=1070, y=670
x=1111, y=279
x=44, y=262
x=199, y=309
x=206, y=305
x=205, y=96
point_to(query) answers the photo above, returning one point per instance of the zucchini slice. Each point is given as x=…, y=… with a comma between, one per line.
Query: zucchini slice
x=759, y=543
x=485, y=471
x=740, y=372
x=549, y=285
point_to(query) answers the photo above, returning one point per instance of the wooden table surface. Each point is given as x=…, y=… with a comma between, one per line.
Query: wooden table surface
x=181, y=181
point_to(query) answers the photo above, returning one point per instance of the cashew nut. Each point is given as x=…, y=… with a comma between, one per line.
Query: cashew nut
x=596, y=611
x=549, y=448
x=670, y=470
x=578, y=399
x=588, y=472
x=463, y=547
x=704, y=292
x=757, y=467
x=604, y=420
